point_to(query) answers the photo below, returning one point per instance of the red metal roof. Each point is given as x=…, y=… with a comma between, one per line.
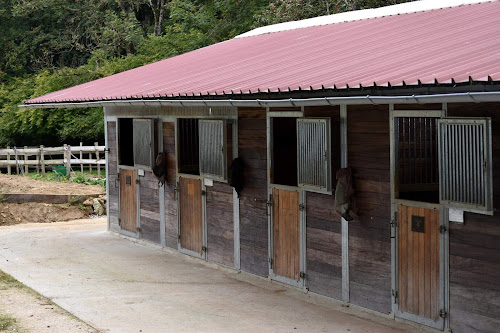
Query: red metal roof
x=443, y=45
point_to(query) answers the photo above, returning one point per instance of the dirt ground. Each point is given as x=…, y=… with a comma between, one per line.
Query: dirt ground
x=27, y=311
x=20, y=184
x=11, y=213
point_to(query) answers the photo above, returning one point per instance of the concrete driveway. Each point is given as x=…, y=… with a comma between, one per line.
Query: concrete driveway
x=117, y=285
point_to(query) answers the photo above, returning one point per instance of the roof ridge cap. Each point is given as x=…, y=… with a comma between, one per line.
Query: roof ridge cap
x=371, y=13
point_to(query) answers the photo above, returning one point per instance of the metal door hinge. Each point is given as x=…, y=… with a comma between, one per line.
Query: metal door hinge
x=118, y=176
x=271, y=262
x=269, y=204
x=179, y=237
x=120, y=222
x=302, y=275
x=394, y=222
x=106, y=150
x=395, y=294
x=204, y=249
x=443, y=314
x=302, y=207
x=442, y=229
x=176, y=193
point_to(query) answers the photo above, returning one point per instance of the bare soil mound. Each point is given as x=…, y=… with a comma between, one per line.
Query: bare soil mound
x=27, y=185
x=38, y=212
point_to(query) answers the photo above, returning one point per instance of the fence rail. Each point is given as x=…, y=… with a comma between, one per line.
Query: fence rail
x=22, y=159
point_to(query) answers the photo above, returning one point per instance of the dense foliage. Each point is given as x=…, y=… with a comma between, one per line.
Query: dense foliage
x=48, y=45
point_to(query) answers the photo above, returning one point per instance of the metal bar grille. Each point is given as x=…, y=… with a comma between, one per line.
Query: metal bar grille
x=143, y=142
x=417, y=152
x=465, y=169
x=212, y=149
x=314, y=153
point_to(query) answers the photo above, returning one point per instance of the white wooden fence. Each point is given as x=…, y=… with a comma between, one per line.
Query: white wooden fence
x=22, y=159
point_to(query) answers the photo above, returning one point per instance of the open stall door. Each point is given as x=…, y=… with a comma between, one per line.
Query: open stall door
x=419, y=263
x=286, y=234
x=128, y=200
x=191, y=216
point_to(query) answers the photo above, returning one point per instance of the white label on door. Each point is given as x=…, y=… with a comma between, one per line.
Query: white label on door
x=456, y=215
x=208, y=182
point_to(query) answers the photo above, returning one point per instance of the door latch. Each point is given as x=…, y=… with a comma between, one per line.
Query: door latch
x=271, y=262
x=204, y=249
x=442, y=229
x=443, y=314
x=302, y=275
x=302, y=207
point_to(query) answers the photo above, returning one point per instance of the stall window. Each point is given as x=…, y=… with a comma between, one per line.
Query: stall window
x=466, y=163
x=125, y=142
x=284, y=151
x=213, y=149
x=188, y=141
x=143, y=142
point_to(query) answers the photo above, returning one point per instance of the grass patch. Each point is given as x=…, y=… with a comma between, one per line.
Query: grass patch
x=8, y=282
x=80, y=178
x=6, y=322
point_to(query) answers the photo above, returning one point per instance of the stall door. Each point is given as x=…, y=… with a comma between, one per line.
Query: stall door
x=128, y=200
x=191, y=221
x=286, y=234
x=418, y=262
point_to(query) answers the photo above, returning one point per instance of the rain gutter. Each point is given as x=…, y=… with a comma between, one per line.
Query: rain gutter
x=475, y=97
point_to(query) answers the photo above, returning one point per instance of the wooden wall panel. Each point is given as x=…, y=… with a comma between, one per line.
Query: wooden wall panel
x=369, y=236
x=475, y=247
x=323, y=232
x=220, y=224
x=171, y=221
x=149, y=207
x=112, y=176
x=252, y=147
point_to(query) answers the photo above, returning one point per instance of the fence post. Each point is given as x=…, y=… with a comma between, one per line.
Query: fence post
x=38, y=162
x=96, y=145
x=17, y=162
x=90, y=164
x=42, y=159
x=81, y=157
x=9, y=170
x=67, y=157
x=26, y=167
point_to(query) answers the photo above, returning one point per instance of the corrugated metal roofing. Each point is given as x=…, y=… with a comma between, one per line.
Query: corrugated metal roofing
x=446, y=45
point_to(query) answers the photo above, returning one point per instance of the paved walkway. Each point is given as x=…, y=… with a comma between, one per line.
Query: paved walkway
x=117, y=285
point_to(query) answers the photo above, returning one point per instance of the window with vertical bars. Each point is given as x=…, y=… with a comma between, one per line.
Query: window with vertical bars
x=314, y=154
x=213, y=163
x=466, y=163
x=143, y=145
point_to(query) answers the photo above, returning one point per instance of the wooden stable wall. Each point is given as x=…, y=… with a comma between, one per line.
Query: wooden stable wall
x=112, y=168
x=220, y=224
x=252, y=149
x=323, y=233
x=475, y=247
x=149, y=205
x=169, y=187
x=368, y=149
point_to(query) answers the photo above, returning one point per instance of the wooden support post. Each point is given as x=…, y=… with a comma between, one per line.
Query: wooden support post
x=81, y=157
x=96, y=144
x=67, y=158
x=26, y=167
x=42, y=159
x=90, y=164
x=38, y=163
x=9, y=169
x=17, y=161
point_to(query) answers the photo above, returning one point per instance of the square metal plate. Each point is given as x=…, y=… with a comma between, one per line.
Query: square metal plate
x=418, y=224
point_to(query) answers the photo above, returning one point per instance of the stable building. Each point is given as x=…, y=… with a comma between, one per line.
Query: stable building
x=355, y=156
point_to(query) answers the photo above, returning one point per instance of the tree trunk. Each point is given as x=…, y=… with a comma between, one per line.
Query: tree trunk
x=158, y=7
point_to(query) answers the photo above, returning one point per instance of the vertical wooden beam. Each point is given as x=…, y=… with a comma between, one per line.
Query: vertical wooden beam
x=9, y=169
x=38, y=162
x=42, y=159
x=26, y=168
x=67, y=155
x=344, y=223
x=17, y=161
x=90, y=164
x=81, y=157
x=96, y=145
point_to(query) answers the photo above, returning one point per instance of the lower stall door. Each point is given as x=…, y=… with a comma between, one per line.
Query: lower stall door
x=286, y=234
x=128, y=200
x=191, y=221
x=418, y=261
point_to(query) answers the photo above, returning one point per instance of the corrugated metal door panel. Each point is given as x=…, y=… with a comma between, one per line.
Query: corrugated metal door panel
x=213, y=149
x=143, y=142
x=466, y=163
x=314, y=154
